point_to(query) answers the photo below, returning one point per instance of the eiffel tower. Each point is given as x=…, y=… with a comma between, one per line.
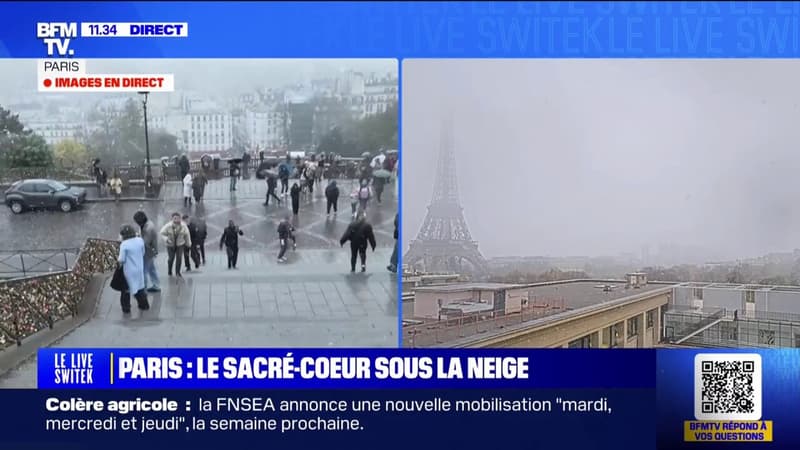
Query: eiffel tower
x=444, y=243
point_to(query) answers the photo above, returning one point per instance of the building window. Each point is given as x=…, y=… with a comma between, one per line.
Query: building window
x=633, y=326
x=651, y=316
x=583, y=342
x=698, y=293
x=797, y=340
x=749, y=296
x=766, y=337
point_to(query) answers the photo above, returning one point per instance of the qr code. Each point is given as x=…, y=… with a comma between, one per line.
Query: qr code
x=727, y=386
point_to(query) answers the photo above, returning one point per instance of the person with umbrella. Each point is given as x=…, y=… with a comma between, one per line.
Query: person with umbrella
x=359, y=233
x=271, y=185
x=234, y=172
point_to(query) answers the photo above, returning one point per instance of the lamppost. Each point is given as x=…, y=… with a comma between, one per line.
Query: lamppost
x=148, y=175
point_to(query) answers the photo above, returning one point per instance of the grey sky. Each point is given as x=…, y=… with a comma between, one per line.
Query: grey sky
x=599, y=157
x=221, y=76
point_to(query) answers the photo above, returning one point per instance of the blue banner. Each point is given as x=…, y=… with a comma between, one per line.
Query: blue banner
x=342, y=369
x=385, y=418
x=418, y=29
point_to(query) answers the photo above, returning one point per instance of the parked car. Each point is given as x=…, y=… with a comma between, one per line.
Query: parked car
x=43, y=194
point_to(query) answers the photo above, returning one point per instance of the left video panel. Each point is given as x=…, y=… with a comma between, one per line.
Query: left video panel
x=266, y=216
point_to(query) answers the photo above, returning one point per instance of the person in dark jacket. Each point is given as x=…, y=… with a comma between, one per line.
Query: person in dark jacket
x=393, y=260
x=284, y=172
x=272, y=183
x=285, y=232
x=359, y=233
x=332, y=194
x=295, y=194
x=184, y=166
x=245, y=164
x=377, y=186
x=230, y=240
x=200, y=233
x=149, y=234
x=192, y=252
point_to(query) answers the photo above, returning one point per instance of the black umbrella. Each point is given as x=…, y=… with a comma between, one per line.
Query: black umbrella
x=235, y=161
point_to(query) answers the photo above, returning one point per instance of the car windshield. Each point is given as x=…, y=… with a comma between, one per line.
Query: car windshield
x=57, y=187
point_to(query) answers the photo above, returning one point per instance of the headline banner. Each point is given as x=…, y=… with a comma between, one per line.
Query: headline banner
x=342, y=368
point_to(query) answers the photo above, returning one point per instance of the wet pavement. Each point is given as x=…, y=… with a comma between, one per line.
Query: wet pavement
x=311, y=301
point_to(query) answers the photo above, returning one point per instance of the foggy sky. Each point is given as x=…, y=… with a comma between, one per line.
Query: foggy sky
x=599, y=157
x=220, y=76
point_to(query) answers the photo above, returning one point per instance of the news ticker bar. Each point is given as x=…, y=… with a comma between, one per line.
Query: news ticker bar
x=326, y=368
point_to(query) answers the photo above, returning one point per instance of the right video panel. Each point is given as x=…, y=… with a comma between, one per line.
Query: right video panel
x=601, y=203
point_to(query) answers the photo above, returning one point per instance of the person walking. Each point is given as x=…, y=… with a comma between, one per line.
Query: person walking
x=199, y=185
x=234, y=173
x=295, y=194
x=184, y=165
x=150, y=238
x=198, y=238
x=189, y=254
x=102, y=181
x=187, y=190
x=378, y=184
x=284, y=172
x=392, y=267
x=354, y=202
x=131, y=258
x=271, y=185
x=230, y=240
x=245, y=164
x=309, y=174
x=332, y=194
x=364, y=194
x=177, y=238
x=285, y=232
x=360, y=234
x=115, y=185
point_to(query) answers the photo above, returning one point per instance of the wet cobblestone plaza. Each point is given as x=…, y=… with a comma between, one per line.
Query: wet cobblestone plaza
x=311, y=301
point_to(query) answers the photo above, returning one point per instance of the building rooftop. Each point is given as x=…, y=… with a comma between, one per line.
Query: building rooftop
x=466, y=287
x=580, y=294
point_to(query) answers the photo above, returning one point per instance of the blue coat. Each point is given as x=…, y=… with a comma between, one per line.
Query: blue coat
x=131, y=256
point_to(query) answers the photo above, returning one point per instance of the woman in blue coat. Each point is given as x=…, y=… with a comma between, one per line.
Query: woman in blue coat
x=131, y=258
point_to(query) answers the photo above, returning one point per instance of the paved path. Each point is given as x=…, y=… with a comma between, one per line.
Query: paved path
x=311, y=301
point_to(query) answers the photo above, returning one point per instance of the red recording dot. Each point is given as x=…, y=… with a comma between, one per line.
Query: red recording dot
x=47, y=82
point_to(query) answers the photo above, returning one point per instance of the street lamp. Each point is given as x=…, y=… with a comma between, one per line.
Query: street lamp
x=148, y=175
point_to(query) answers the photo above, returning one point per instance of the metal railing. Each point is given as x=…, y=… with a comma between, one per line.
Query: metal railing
x=32, y=304
x=437, y=332
x=23, y=263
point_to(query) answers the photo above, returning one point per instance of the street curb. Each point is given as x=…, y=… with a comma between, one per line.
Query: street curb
x=16, y=356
